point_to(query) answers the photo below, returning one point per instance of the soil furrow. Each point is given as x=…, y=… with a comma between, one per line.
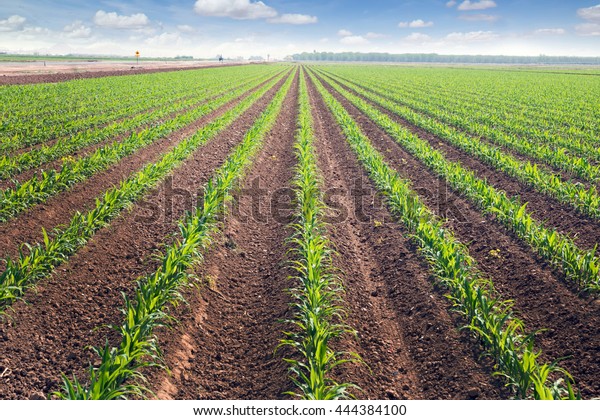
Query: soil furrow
x=58, y=210
x=405, y=333
x=50, y=334
x=566, y=219
x=224, y=347
x=28, y=79
x=542, y=298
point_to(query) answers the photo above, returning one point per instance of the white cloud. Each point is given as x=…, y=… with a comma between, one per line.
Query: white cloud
x=13, y=23
x=590, y=13
x=418, y=37
x=471, y=36
x=344, y=32
x=550, y=31
x=477, y=5
x=374, y=35
x=186, y=28
x=451, y=3
x=115, y=21
x=235, y=9
x=418, y=23
x=588, y=29
x=165, y=39
x=354, y=40
x=77, y=30
x=479, y=17
x=294, y=19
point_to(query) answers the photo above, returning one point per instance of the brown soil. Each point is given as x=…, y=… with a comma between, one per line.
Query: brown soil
x=224, y=347
x=65, y=73
x=405, y=334
x=58, y=210
x=567, y=220
x=542, y=297
x=48, y=333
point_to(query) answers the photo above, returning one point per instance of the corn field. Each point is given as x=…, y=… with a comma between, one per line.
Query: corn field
x=314, y=232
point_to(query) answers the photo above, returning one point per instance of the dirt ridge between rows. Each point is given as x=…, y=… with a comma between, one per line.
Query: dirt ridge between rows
x=224, y=346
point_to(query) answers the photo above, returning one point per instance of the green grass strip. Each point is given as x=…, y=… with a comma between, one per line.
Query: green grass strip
x=318, y=302
x=36, y=262
x=489, y=318
x=580, y=266
x=119, y=376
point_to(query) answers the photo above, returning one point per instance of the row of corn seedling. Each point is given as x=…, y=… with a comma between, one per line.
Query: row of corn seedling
x=40, y=187
x=585, y=200
x=317, y=300
x=10, y=165
x=580, y=266
x=119, y=375
x=36, y=262
x=551, y=154
x=488, y=317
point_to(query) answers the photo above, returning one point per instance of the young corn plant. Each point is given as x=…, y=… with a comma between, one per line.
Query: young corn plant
x=37, y=114
x=490, y=319
x=36, y=262
x=580, y=266
x=317, y=299
x=119, y=375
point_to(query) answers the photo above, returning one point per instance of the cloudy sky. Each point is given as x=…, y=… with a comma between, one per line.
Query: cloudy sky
x=205, y=28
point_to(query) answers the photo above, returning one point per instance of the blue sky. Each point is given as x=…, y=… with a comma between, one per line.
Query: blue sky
x=205, y=28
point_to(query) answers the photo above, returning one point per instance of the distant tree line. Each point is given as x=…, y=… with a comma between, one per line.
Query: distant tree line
x=439, y=58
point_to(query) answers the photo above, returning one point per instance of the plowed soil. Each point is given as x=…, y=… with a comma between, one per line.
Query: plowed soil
x=62, y=73
x=224, y=349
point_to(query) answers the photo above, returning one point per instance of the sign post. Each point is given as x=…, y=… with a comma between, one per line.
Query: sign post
x=137, y=57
